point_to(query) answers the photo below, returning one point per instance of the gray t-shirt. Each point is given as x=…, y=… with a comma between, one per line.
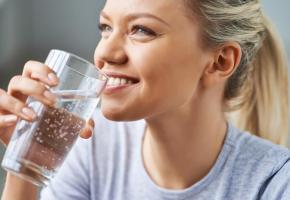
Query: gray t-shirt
x=109, y=167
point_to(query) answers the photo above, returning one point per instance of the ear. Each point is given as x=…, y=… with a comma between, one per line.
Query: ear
x=226, y=59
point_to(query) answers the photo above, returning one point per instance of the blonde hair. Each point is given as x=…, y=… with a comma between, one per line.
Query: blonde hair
x=256, y=95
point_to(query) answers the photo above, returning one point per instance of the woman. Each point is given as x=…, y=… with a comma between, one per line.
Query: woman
x=182, y=66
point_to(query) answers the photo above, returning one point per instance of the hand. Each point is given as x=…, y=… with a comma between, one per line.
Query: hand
x=88, y=130
x=34, y=81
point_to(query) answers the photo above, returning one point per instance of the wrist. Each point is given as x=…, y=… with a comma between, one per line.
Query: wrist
x=17, y=188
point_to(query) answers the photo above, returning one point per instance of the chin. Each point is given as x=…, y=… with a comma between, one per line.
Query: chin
x=115, y=114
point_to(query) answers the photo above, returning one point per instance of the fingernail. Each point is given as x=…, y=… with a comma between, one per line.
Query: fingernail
x=10, y=119
x=53, y=78
x=28, y=113
x=49, y=96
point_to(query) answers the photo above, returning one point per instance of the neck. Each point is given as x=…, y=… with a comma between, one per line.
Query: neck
x=181, y=147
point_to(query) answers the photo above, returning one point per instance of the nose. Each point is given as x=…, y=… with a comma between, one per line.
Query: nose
x=110, y=51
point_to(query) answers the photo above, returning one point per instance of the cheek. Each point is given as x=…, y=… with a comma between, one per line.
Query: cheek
x=97, y=55
x=169, y=76
x=167, y=65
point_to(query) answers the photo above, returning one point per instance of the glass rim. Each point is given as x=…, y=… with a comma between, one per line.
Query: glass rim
x=84, y=61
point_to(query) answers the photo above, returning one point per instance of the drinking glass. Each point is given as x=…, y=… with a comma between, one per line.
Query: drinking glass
x=37, y=149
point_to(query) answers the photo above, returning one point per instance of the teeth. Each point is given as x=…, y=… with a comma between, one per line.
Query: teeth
x=110, y=82
x=119, y=81
x=102, y=77
x=123, y=81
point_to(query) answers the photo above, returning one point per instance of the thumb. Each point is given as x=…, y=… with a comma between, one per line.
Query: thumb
x=88, y=130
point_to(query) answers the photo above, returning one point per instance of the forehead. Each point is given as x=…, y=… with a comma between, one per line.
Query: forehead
x=164, y=8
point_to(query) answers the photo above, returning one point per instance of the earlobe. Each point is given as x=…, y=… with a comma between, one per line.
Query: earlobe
x=208, y=77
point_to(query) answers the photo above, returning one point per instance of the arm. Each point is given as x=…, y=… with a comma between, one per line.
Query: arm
x=18, y=189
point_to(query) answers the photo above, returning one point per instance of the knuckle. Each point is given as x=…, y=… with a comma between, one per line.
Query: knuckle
x=17, y=106
x=5, y=101
x=35, y=66
x=14, y=105
x=2, y=96
x=36, y=89
x=28, y=64
x=14, y=80
x=39, y=89
x=2, y=92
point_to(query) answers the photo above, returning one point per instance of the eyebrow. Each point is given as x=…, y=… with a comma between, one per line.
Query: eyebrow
x=133, y=16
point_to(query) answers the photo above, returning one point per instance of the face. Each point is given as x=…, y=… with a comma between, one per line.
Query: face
x=152, y=53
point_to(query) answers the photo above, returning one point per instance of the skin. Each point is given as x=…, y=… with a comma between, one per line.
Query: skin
x=180, y=86
x=179, y=90
x=35, y=79
x=33, y=82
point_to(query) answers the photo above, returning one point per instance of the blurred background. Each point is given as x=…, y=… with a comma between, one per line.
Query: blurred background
x=30, y=28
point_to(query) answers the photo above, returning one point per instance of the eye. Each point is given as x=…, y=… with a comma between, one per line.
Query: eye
x=142, y=30
x=105, y=29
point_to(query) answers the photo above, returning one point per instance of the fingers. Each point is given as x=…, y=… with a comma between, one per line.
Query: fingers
x=26, y=86
x=8, y=120
x=41, y=72
x=88, y=130
x=14, y=106
x=91, y=123
x=35, y=82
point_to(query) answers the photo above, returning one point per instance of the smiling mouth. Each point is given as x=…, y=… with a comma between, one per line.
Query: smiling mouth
x=118, y=79
x=119, y=82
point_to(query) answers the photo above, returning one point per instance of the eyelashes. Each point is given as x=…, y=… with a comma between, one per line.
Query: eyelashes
x=104, y=27
x=143, y=30
x=139, y=30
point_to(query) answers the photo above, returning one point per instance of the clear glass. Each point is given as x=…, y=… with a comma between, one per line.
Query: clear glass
x=37, y=150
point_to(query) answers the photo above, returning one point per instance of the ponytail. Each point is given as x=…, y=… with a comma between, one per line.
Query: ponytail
x=265, y=111
x=256, y=95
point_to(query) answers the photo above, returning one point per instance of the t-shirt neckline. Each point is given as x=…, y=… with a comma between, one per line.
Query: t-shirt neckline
x=197, y=187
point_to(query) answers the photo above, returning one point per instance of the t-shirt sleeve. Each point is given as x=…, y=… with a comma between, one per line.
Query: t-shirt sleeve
x=278, y=187
x=72, y=180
